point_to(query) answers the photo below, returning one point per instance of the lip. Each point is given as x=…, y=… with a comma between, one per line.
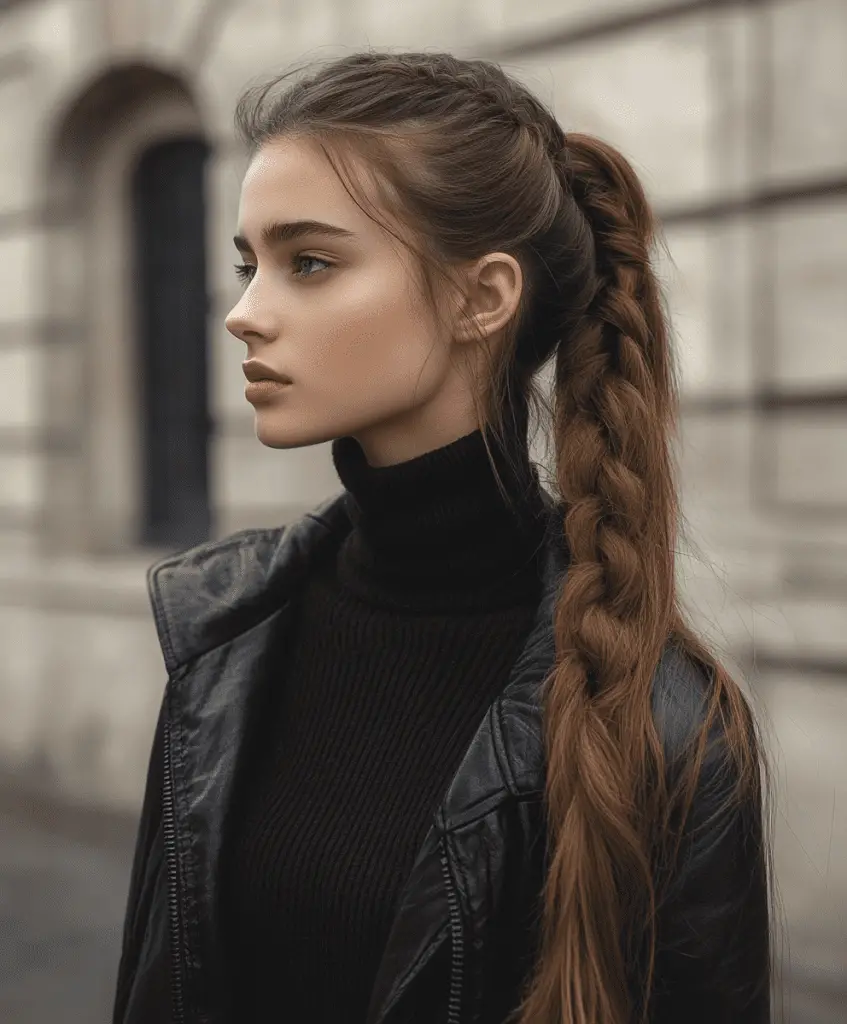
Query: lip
x=256, y=372
x=259, y=390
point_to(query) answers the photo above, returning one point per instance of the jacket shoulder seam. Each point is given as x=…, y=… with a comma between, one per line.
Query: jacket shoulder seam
x=492, y=803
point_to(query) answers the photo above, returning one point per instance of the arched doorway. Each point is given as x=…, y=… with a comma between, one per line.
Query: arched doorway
x=113, y=449
x=170, y=306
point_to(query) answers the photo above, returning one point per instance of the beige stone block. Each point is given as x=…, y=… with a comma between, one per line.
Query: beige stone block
x=809, y=455
x=19, y=543
x=173, y=28
x=216, y=99
x=64, y=518
x=650, y=94
x=810, y=294
x=231, y=520
x=808, y=56
x=224, y=175
x=717, y=570
x=22, y=692
x=63, y=257
x=105, y=677
x=255, y=39
x=315, y=24
x=507, y=18
x=61, y=391
x=804, y=624
x=807, y=719
x=734, y=306
x=227, y=379
x=63, y=41
x=705, y=271
x=732, y=43
x=252, y=39
x=21, y=372
x=18, y=144
x=15, y=21
x=20, y=481
x=715, y=459
x=818, y=565
x=247, y=473
x=21, y=297
x=404, y=25
x=59, y=34
x=111, y=586
x=685, y=271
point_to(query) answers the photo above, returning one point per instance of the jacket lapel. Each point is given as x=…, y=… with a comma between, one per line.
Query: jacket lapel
x=222, y=612
x=209, y=708
x=420, y=925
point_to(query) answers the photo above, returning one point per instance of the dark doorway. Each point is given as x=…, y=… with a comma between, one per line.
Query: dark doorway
x=169, y=217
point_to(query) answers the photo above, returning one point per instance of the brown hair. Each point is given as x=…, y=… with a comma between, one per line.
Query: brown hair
x=474, y=163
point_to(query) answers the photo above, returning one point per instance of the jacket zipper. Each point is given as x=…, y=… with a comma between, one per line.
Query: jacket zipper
x=457, y=952
x=174, y=916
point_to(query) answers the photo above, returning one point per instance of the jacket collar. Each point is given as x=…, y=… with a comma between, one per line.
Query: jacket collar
x=203, y=597
x=210, y=594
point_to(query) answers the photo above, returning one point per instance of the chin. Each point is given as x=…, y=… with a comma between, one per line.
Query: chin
x=282, y=437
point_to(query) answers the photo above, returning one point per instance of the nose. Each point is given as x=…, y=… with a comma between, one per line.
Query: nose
x=236, y=325
x=244, y=322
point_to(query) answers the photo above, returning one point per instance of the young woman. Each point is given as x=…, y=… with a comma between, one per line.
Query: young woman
x=445, y=750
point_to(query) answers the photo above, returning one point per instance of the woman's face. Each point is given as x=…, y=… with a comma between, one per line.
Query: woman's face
x=337, y=312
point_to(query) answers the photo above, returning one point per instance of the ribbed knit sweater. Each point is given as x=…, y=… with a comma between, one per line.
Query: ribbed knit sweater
x=402, y=638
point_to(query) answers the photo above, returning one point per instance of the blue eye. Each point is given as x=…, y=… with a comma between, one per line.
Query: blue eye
x=308, y=259
x=245, y=271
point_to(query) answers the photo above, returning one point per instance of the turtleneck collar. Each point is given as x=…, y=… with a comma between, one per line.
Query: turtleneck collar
x=435, y=533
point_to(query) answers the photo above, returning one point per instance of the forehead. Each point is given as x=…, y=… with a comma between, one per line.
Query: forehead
x=294, y=177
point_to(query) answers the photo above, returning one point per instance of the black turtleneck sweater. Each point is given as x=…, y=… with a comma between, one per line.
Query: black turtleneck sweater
x=402, y=639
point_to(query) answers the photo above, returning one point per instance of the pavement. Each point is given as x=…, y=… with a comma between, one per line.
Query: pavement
x=62, y=899
x=64, y=876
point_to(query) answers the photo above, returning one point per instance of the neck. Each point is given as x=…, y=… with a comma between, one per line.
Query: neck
x=435, y=532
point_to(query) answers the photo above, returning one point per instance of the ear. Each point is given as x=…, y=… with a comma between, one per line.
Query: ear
x=492, y=292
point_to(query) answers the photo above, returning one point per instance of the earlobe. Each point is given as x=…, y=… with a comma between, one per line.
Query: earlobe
x=468, y=328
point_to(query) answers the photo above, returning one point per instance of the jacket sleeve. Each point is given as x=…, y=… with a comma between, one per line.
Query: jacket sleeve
x=143, y=985
x=713, y=924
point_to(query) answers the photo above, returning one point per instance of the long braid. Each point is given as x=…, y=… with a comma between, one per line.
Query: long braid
x=615, y=612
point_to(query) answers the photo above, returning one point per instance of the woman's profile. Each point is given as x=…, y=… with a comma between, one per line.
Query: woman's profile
x=446, y=749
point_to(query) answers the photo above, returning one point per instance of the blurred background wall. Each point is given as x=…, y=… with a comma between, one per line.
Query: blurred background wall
x=124, y=433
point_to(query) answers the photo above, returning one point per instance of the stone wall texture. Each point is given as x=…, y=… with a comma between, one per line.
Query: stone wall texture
x=734, y=113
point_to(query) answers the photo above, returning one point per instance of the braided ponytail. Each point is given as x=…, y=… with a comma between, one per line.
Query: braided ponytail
x=609, y=809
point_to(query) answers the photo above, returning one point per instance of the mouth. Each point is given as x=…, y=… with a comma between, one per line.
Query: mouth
x=259, y=373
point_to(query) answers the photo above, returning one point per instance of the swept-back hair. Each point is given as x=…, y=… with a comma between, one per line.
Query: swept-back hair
x=471, y=162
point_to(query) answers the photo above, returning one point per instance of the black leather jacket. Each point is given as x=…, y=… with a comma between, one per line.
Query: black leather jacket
x=463, y=937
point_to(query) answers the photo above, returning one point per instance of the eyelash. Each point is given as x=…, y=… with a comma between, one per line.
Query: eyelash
x=245, y=271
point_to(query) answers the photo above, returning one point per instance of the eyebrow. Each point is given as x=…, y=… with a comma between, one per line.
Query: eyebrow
x=278, y=232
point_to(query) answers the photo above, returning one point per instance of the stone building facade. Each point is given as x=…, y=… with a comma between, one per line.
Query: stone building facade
x=736, y=115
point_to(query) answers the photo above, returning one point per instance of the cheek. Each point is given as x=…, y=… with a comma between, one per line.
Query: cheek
x=373, y=333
